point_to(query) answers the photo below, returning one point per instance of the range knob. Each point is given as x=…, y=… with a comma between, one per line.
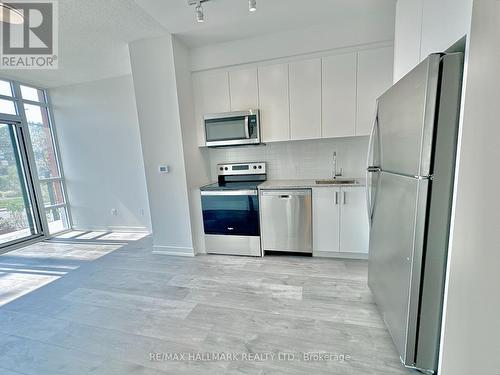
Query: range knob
x=260, y=166
x=254, y=167
x=226, y=168
x=221, y=168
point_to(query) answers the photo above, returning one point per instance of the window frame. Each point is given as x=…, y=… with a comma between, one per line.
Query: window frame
x=20, y=103
x=29, y=179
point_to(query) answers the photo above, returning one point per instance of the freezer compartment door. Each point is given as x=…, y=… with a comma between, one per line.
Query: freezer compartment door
x=286, y=220
x=395, y=256
x=406, y=116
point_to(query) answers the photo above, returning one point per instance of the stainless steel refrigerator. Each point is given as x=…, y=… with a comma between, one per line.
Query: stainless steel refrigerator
x=411, y=166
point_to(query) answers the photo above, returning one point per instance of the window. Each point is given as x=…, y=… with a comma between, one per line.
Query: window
x=37, y=114
x=7, y=104
x=32, y=190
x=33, y=94
x=17, y=211
x=5, y=88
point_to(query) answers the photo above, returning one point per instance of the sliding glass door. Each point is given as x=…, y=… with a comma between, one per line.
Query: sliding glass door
x=19, y=216
x=33, y=201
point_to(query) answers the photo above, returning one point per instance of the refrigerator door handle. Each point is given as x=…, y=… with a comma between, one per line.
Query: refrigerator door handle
x=370, y=168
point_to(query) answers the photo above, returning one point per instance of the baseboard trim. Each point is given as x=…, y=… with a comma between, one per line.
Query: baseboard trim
x=339, y=255
x=174, y=250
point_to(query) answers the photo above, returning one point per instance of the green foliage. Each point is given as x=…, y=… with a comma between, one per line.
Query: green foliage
x=17, y=213
x=15, y=205
x=9, y=180
x=7, y=202
x=6, y=226
x=41, y=149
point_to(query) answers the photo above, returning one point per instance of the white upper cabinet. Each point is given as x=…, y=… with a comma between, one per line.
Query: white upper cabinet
x=354, y=228
x=243, y=89
x=443, y=24
x=211, y=95
x=427, y=26
x=408, y=40
x=305, y=99
x=334, y=96
x=339, y=96
x=274, y=103
x=326, y=220
x=374, y=77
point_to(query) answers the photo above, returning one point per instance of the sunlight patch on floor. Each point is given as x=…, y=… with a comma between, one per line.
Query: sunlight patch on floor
x=29, y=268
x=123, y=236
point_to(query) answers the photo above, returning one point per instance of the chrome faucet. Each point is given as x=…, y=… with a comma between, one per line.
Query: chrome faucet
x=335, y=173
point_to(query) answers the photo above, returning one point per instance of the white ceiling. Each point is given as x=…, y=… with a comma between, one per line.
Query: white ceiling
x=93, y=34
x=230, y=19
x=93, y=37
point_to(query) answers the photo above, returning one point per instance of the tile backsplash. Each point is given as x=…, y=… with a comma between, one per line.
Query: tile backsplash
x=299, y=159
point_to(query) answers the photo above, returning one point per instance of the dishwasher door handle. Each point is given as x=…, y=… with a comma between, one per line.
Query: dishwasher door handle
x=286, y=193
x=285, y=196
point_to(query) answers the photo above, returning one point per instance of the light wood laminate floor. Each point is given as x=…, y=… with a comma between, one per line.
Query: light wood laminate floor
x=107, y=305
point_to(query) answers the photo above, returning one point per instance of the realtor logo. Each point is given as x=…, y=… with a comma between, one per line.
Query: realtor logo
x=29, y=34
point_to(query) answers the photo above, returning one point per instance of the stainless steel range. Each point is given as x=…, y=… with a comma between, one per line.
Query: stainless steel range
x=231, y=210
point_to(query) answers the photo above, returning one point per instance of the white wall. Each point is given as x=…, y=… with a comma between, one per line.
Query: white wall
x=154, y=75
x=427, y=26
x=98, y=135
x=300, y=159
x=365, y=29
x=470, y=339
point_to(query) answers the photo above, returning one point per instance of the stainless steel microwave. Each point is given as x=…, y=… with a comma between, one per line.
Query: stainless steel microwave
x=232, y=128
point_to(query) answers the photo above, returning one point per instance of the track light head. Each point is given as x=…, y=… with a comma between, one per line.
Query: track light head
x=200, y=17
x=199, y=12
x=252, y=5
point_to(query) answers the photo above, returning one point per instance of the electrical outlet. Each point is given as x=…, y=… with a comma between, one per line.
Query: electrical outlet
x=114, y=212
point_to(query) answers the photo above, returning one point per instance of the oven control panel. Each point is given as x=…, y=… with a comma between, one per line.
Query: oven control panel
x=241, y=169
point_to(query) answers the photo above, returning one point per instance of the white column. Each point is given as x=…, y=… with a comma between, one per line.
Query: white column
x=153, y=71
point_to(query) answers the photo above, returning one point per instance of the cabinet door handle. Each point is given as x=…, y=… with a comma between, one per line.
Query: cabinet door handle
x=344, y=199
x=336, y=197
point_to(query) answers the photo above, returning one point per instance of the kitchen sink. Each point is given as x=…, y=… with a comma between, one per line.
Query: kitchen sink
x=337, y=181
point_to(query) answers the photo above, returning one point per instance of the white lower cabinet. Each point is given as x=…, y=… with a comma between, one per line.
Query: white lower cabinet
x=326, y=220
x=354, y=228
x=340, y=223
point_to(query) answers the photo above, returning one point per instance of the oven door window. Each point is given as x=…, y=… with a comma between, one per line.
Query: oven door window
x=233, y=128
x=236, y=215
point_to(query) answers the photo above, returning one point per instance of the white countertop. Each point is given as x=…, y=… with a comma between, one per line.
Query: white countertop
x=305, y=184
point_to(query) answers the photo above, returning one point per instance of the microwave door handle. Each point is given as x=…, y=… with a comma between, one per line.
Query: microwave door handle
x=247, y=128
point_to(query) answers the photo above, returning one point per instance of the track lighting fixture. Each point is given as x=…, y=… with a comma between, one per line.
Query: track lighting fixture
x=252, y=5
x=200, y=15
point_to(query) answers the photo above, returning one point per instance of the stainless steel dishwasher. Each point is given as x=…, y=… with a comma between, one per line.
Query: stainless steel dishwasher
x=286, y=220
